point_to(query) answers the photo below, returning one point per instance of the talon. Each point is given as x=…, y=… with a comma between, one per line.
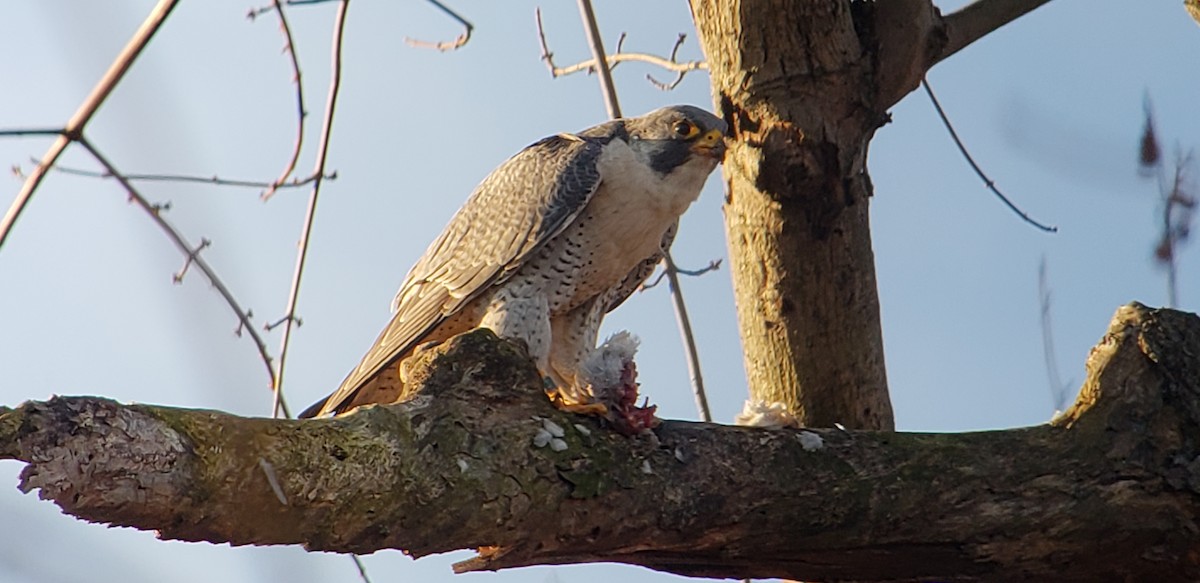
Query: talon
x=563, y=401
x=583, y=408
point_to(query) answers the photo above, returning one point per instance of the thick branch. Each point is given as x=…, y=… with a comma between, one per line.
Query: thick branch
x=980, y=18
x=1107, y=492
x=910, y=36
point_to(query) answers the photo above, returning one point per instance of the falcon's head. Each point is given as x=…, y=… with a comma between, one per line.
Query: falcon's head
x=679, y=136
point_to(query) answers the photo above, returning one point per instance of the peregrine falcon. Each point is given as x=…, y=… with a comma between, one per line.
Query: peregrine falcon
x=549, y=242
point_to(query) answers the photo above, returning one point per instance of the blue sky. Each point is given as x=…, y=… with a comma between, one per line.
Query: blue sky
x=1051, y=106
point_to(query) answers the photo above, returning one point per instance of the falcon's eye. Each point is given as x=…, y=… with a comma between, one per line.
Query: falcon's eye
x=685, y=129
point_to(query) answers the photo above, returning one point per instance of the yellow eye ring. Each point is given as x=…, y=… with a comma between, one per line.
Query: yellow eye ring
x=685, y=129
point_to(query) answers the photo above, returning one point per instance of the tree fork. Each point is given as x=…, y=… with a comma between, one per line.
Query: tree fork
x=804, y=86
x=1109, y=490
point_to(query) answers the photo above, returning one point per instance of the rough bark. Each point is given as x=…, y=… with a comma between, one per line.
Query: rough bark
x=804, y=86
x=1110, y=490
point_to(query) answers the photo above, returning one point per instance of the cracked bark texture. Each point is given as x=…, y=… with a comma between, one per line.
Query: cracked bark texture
x=1108, y=491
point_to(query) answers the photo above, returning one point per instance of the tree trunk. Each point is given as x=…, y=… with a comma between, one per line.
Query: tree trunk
x=804, y=86
x=796, y=84
x=1108, y=491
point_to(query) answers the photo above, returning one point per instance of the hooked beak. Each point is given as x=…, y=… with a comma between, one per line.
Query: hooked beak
x=711, y=144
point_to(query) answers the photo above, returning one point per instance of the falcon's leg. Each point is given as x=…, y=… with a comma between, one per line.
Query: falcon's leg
x=516, y=315
x=573, y=338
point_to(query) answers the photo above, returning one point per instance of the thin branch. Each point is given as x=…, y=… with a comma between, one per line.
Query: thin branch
x=681, y=68
x=277, y=323
x=1058, y=389
x=362, y=569
x=335, y=83
x=177, y=278
x=318, y=176
x=614, y=111
x=689, y=339
x=991, y=184
x=679, y=75
x=977, y=19
x=451, y=45
x=19, y=132
x=713, y=265
x=189, y=251
x=592, y=30
x=1178, y=208
x=256, y=12
x=214, y=180
x=77, y=123
x=290, y=48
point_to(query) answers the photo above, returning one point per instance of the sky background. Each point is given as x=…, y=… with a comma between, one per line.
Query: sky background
x=1051, y=106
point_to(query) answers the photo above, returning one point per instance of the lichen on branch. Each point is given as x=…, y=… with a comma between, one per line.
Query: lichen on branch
x=1110, y=487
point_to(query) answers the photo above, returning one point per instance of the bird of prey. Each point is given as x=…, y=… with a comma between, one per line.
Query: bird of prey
x=549, y=242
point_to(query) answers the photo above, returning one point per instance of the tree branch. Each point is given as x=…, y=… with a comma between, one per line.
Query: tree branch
x=451, y=45
x=1110, y=488
x=289, y=47
x=87, y=109
x=680, y=69
x=289, y=318
x=191, y=254
x=987, y=181
x=195, y=179
x=978, y=19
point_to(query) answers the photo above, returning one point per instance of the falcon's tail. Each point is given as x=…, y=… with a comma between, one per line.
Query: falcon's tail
x=313, y=409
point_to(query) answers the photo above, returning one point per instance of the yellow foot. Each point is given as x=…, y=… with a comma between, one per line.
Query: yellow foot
x=583, y=408
x=573, y=404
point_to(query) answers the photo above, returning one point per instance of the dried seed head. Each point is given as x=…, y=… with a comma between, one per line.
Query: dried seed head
x=1151, y=153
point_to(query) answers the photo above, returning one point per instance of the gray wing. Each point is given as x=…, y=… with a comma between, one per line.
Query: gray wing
x=518, y=208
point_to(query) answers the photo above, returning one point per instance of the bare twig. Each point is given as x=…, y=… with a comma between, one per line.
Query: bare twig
x=991, y=184
x=362, y=569
x=277, y=323
x=592, y=30
x=713, y=265
x=189, y=251
x=1178, y=201
x=191, y=257
x=689, y=339
x=317, y=178
x=1179, y=205
x=679, y=75
x=1059, y=391
x=614, y=111
x=214, y=180
x=680, y=68
x=975, y=20
x=20, y=132
x=301, y=113
x=335, y=82
x=450, y=45
x=256, y=12
x=74, y=128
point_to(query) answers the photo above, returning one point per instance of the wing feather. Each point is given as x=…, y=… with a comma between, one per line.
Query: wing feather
x=520, y=206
